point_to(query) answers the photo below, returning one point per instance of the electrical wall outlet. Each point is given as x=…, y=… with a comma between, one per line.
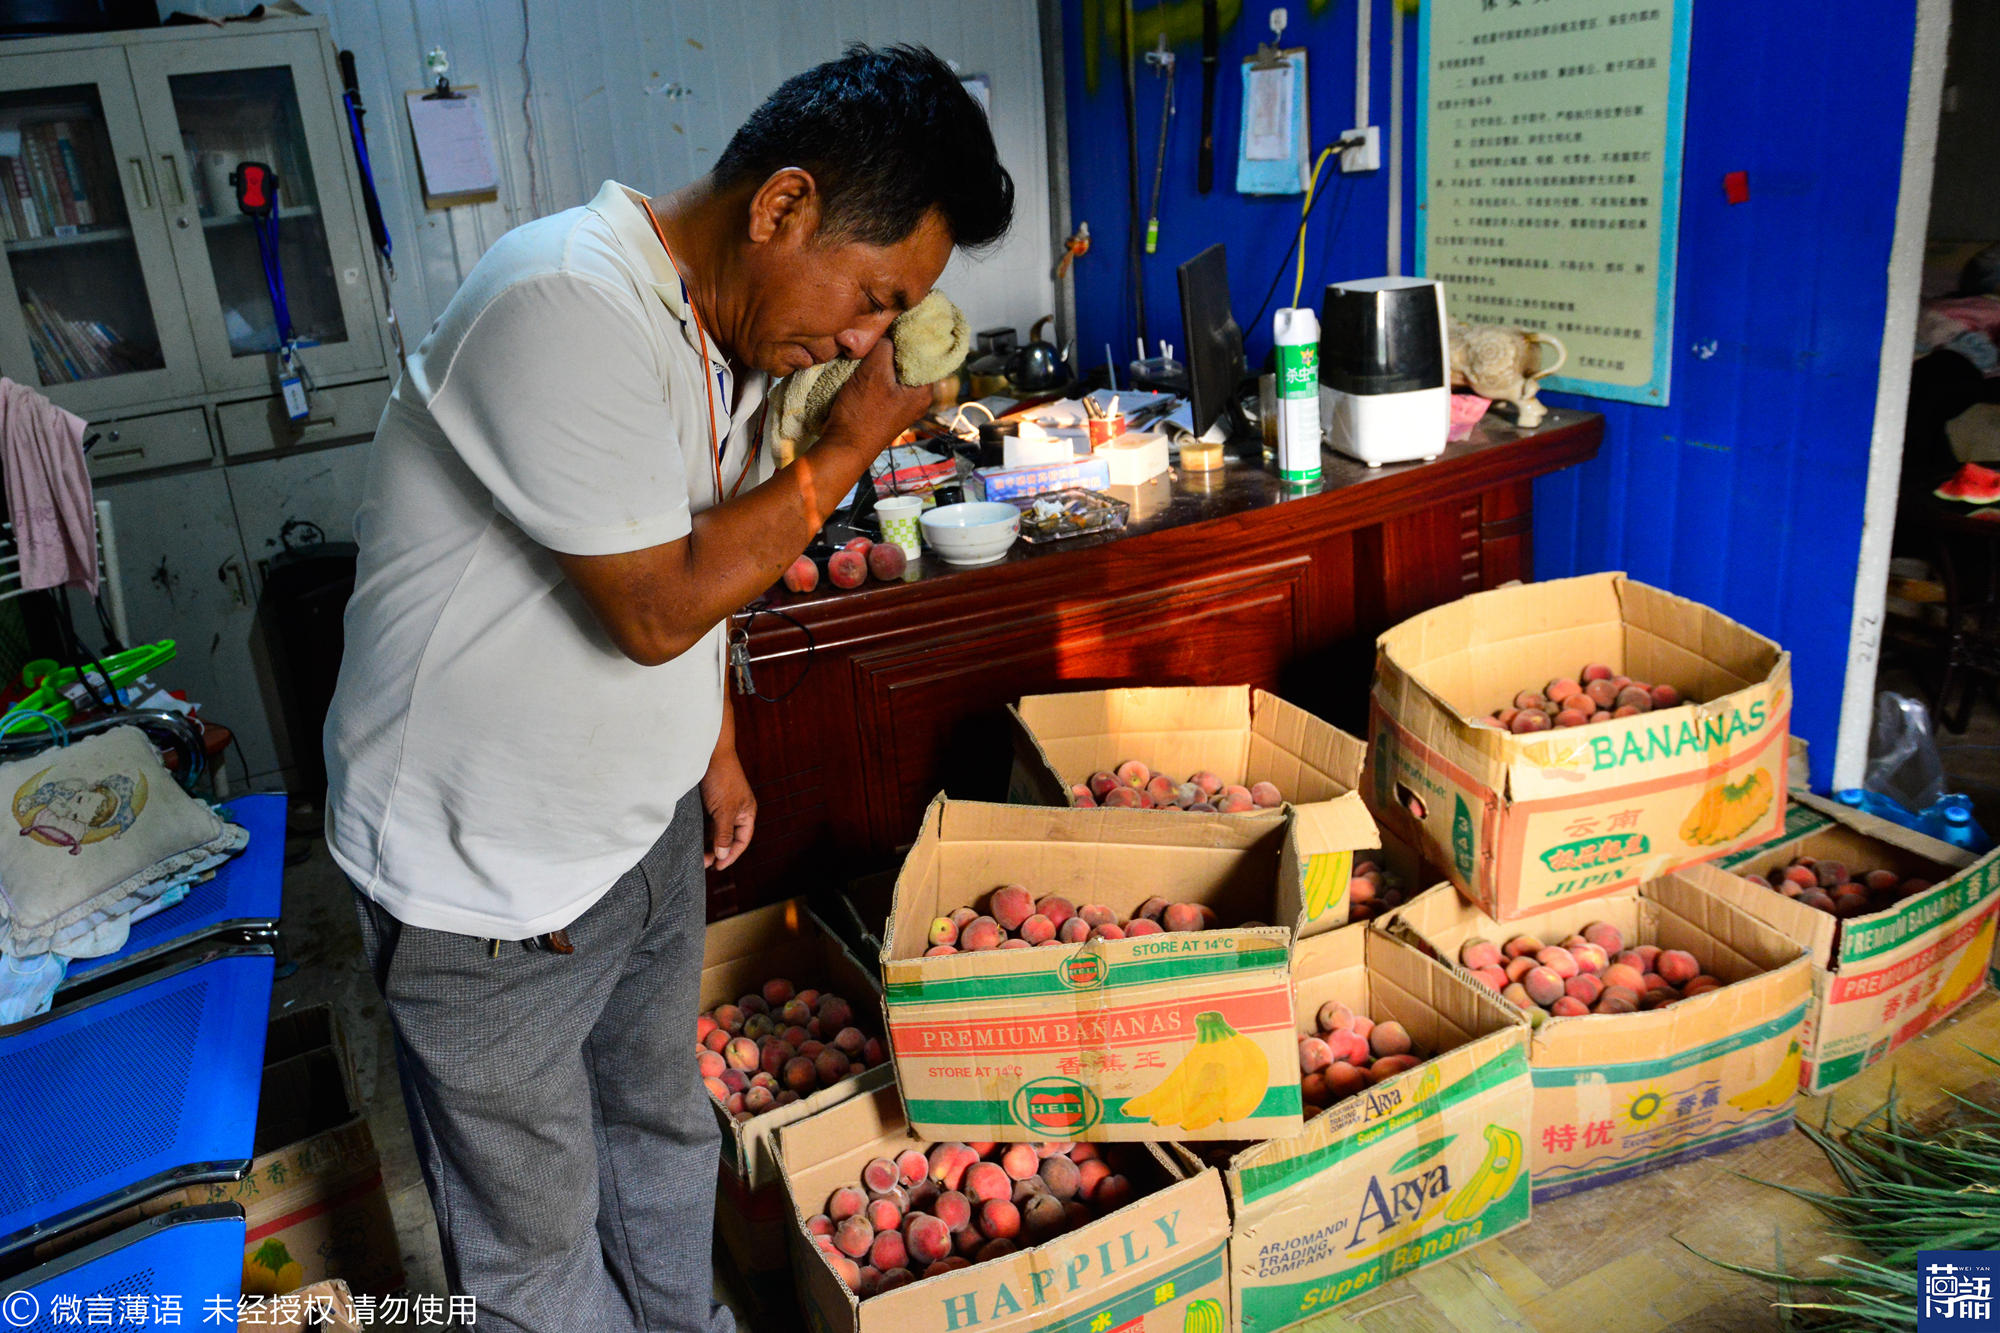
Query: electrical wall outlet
x=1366, y=155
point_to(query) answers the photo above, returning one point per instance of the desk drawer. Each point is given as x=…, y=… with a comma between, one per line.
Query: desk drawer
x=140, y=444
x=260, y=426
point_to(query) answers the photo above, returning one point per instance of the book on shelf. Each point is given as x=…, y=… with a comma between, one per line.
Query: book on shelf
x=21, y=200
x=62, y=135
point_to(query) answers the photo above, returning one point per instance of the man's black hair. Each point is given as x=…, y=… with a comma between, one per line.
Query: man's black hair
x=888, y=133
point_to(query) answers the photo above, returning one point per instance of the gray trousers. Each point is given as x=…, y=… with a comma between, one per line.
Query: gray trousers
x=566, y=1139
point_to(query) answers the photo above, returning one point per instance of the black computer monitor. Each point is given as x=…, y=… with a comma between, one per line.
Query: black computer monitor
x=1214, y=343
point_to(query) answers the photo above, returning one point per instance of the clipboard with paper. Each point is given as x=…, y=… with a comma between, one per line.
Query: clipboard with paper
x=1273, y=150
x=455, y=156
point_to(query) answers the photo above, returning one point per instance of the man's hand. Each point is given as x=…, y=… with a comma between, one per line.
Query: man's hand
x=874, y=407
x=657, y=603
x=730, y=807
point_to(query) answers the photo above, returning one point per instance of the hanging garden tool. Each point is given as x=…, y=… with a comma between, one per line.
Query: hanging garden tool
x=1211, y=60
x=257, y=199
x=1162, y=62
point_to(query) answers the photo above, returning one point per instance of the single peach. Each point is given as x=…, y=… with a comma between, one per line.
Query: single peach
x=986, y=1180
x=1391, y=1065
x=1490, y=977
x=981, y=933
x=832, y=1066
x=1334, y=1016
x=1182, y=916
x=1632, y=696
x=847, y=569
x=1107, y=932
x=1543, y=986
x=1389, y=1039
x=1478, y=952
x=742, y=1053
x=1558, y=960
x=1678, y=966
x=1626, y=975
x=888, y=561
x=1265, y=795
x=854, y=1237
x=1584, y=987
x=940, y=950
x=845, y=1202
x=1589, y=958
x=1314, y=1055
x=1125, y=798
x=1528, y=700
x=1522, y=944
x=1141, y=926
x=1038, y=929
x=1568, y=1006
x=1517, y=995
x=1519, y=967
x=1134, y=773
x=1073, y=931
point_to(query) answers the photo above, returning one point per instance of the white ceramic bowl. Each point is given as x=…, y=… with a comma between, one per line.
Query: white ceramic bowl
x=976, y=533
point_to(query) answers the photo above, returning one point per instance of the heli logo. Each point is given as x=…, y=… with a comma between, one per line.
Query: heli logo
x=1086, y=971
x=1056, y=1107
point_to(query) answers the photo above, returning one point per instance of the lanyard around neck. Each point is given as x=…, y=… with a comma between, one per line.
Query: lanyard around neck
x=707, y=369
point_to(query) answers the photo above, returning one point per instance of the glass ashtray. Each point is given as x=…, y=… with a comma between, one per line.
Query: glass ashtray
x=1054, y=516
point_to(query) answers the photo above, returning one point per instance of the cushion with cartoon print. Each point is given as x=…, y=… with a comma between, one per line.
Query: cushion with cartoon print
x=99, y=829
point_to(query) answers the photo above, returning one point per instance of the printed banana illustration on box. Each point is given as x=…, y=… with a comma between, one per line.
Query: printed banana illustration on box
x=1222, y=1078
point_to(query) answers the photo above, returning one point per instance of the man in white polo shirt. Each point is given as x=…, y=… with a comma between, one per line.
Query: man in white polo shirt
x=531, y=750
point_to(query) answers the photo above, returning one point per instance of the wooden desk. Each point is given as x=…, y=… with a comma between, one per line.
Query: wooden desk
x=1227, y=580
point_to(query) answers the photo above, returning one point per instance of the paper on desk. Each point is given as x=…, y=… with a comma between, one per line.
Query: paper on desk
x=454, y=151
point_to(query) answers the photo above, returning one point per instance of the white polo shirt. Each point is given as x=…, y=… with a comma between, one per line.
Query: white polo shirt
x=495, y=763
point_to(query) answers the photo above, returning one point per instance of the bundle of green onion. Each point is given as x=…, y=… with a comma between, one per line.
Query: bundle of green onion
x=1908, y=1190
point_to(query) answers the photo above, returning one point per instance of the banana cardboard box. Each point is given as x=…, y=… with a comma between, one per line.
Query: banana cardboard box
x=1241, y=734
x=1880, y=979
x=1523, y=823
x=1424, y=1164
x=1157, y=1265
x=739, y=954
x=1616, y=1095
x=1168, y=1036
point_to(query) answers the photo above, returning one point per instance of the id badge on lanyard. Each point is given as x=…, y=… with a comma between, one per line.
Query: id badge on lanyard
x=293, y=386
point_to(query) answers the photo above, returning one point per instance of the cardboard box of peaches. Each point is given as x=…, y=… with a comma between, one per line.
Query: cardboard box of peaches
x=1107, y=1025
x=1899, y=928
x=772, y=981
x=1553, y=742
x=1667, y=1020
x=894, y=1230
x=1239, y=750
x=1417, y=1096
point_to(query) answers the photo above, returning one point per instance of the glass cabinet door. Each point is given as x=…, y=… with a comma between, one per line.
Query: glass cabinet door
x=90, y=304
x=264, y=100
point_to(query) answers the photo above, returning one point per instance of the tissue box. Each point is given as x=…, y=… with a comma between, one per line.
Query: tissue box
x=1136, y=457
x=1003, y=483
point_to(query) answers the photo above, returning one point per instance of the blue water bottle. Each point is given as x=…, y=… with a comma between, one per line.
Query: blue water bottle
x=1949, y=819
x=1875, y=803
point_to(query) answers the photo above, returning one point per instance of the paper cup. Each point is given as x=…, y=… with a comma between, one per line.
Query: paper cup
x=1103, y=430
x=898, y=517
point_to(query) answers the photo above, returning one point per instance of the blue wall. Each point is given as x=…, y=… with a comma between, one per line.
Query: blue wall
x=1744, y=493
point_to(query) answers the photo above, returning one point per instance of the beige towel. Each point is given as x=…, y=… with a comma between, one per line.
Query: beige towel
x=931, y=339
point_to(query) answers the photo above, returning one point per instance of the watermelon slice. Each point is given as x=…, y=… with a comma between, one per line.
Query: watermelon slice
x=1973, y=484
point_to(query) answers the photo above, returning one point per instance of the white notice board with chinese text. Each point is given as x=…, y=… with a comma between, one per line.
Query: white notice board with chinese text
x=1549, y=176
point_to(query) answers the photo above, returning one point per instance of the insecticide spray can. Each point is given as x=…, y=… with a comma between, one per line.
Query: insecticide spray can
x=1296, y=331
